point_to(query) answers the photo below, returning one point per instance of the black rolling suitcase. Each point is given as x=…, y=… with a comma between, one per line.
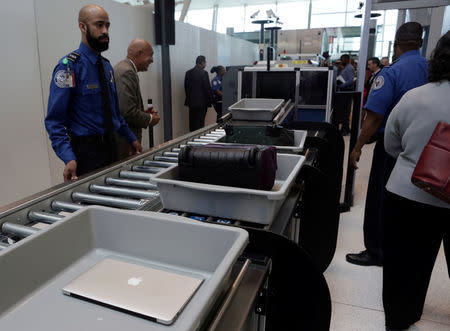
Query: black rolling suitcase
x=252, y=167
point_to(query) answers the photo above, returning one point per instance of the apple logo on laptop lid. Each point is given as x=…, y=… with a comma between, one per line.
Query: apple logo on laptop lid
x=134, y=281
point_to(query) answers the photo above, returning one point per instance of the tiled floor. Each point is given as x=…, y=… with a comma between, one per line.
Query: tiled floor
x=356, y=291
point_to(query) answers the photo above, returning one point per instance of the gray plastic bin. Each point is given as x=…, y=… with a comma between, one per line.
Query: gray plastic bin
x=255, y=109
x=35, y=270
x=242, y=137
x=256, y=206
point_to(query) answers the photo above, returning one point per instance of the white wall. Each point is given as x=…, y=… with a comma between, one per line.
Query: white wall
x=219, y=49
x=24, y=163
x=38, y=33
x=437, y=18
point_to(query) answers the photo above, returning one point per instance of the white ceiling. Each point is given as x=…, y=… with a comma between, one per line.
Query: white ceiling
x=134, y=2
x=205, y=4
x=376, y=4
x=202, y=4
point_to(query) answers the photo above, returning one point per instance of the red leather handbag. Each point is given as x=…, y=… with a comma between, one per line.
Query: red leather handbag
x=432, y=172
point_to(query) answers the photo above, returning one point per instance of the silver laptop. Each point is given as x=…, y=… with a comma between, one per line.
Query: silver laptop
x=143, y=291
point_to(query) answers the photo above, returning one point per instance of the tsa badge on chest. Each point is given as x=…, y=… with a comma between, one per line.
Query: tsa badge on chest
x=65, y=79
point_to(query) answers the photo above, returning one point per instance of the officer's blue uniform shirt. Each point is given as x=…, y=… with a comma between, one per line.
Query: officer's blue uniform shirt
x=408, y=72
x=75, y=105
x=216, y=83
x=348, y=73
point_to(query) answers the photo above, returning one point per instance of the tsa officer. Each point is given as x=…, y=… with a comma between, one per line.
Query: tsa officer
x=409, y=71
x=83, y=111
x=216, y=86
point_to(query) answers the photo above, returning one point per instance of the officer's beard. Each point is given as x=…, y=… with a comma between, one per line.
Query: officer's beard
x=95, y=43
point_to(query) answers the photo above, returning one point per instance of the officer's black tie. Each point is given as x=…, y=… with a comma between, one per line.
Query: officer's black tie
x=106, y=106
x=107, y=115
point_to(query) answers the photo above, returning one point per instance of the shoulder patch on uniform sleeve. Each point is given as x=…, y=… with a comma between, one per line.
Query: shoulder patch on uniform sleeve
x=378, y=82
x=72, y=57
x=64, y=79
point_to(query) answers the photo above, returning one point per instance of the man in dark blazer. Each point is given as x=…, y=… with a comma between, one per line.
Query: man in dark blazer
x=139, y=58
x=198, y=93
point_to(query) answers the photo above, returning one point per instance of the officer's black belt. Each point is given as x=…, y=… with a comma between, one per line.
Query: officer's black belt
x=92, y=139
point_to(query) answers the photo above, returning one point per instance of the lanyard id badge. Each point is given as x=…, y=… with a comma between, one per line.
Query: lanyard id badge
x=65, y=78
x=70, y=77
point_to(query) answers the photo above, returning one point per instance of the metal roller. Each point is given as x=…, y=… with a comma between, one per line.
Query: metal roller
x=204, y=140
x=18, y=230
x=124, y=192
x=106, y=200
x=130, y=183
x=176, y=150
x=66, y=206
x=196, y=143
x=44, y=217
x=171, y=154
x=161, y=164
x=135, y=175
x=146, y=169
x=166, y=159
x=214, y=135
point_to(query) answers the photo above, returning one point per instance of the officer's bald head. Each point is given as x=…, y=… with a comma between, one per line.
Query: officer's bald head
x=409, y=36
x=141, y=53
x=89, y=11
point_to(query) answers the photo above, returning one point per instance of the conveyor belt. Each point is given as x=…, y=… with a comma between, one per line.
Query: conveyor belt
x=124, y=185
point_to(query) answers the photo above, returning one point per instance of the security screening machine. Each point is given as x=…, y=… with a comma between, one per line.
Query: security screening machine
x=310, y=89
x=280, y=83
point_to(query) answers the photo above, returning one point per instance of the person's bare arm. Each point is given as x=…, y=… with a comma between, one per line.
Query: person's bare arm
x=155, y=117
x=136, y=147
x=70, y=171
x=370, y=126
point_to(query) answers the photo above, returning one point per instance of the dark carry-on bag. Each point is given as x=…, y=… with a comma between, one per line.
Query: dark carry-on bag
x=252, y=167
